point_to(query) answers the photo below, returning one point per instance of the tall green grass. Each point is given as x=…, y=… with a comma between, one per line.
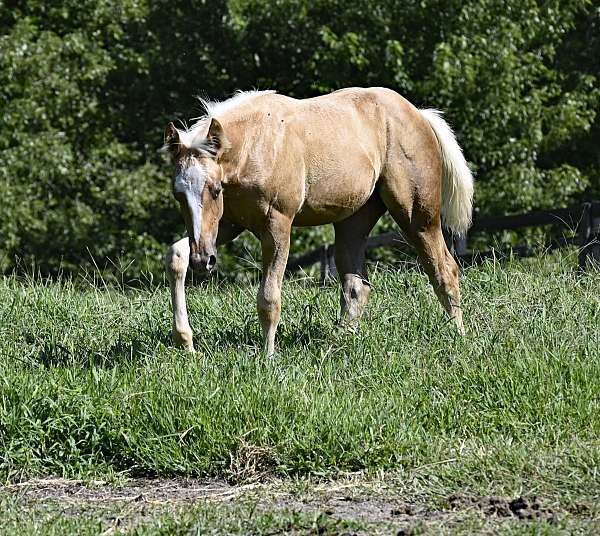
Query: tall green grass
x=89, y=384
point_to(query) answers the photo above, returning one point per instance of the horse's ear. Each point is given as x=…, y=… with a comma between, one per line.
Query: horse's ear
x=172, y=140
x=216, y=140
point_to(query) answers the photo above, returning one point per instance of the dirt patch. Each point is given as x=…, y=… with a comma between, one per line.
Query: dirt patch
x=381, y=508
x=528, y=508
x=395, y=509
x=152, y=490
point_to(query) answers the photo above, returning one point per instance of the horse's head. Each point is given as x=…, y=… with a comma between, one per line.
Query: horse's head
x=197, y=186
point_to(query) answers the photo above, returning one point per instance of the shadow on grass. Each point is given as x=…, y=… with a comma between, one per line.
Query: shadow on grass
x=51, y=349
x=295, y=338
x=53, y=353
x=249, y=334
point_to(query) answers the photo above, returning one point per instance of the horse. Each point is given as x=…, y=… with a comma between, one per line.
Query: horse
x=265, y=162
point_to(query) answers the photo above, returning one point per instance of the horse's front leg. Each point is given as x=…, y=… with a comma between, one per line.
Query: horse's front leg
x=275, y=245
x=177, y=261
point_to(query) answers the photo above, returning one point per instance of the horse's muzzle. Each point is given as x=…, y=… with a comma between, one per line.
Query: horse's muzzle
x=203, y=263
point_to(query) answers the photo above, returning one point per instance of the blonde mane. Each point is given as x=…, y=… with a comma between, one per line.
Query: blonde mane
x=193, y=136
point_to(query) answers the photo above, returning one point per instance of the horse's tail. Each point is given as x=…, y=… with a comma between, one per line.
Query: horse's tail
x=457, y=181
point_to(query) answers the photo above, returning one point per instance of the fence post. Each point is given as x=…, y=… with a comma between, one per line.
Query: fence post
x=593, y=241
x=323, y=262
x=594, y=252
x=331, y=267
x=584, y=232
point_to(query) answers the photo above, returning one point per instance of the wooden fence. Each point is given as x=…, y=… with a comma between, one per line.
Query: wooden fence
x=583, y=221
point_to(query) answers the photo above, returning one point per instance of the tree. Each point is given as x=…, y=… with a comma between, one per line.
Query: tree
x=71, y=189
x=87, y=87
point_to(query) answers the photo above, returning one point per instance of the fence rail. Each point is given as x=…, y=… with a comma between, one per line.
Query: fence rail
x=582, y=219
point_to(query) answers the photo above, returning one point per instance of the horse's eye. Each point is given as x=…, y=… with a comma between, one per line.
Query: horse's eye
x=216, y=191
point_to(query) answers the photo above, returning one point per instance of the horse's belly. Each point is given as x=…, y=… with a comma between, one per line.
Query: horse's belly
x=334, y=199
x=308, y=216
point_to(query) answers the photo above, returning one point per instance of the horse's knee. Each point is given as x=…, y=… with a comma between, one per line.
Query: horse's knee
x=269, y=302
x=178, y=257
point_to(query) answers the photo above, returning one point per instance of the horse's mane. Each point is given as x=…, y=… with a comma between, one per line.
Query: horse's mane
x=189, y=134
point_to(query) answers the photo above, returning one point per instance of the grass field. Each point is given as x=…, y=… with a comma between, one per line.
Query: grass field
x=91, y=389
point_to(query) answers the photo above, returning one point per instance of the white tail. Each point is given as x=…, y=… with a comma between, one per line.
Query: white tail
x=457, y=181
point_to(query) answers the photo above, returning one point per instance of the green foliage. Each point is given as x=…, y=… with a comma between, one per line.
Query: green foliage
x=510, y=103
x=86, y=88
x=73, y=190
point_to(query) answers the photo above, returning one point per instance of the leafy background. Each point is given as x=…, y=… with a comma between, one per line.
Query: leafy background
x=86, y=88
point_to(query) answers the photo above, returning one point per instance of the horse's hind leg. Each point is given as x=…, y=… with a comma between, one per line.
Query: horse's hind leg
x=350, y=242
x=442, y=270
x=419, y=219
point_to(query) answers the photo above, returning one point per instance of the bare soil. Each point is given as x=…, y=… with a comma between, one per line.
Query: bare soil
x=378, y=508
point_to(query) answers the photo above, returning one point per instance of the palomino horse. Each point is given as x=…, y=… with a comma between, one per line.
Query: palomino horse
x=266, y=162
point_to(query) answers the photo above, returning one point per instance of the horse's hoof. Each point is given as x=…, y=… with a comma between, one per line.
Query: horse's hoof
x=348, y=324
x=184, y=341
